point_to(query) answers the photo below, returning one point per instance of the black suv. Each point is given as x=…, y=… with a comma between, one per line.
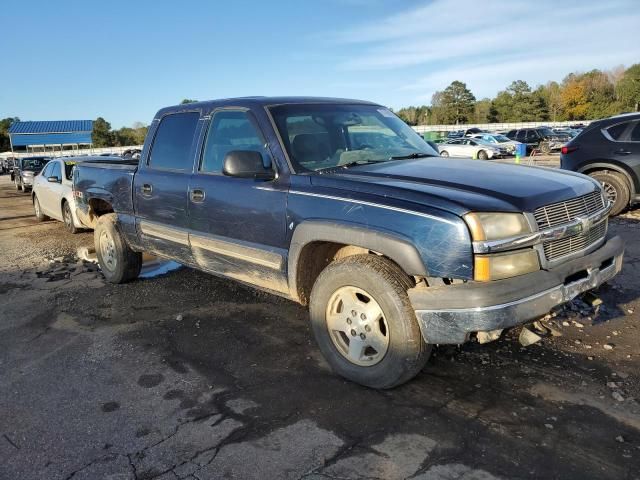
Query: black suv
x=609, y=151
x=542, y=138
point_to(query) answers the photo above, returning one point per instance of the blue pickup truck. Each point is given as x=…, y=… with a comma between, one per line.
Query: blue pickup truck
x=339, y=205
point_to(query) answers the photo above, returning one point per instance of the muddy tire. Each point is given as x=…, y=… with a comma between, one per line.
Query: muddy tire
x=119, y=264
x=482, y=155
x=444, y=153
x=616, y=189
x=364, y=323
x=67, y=218
x=38, y=211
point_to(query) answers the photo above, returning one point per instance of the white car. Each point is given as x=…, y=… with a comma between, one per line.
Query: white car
x=469, y=148
x=52, y=194
x=498, y=140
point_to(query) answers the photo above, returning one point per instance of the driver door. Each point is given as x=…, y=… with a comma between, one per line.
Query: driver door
x=237, y=226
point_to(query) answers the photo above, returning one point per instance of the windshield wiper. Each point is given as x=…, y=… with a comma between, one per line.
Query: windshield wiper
x=411, y=155
x=349, y=165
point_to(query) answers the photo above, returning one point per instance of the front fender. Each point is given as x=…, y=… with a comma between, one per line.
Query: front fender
x=394, y=246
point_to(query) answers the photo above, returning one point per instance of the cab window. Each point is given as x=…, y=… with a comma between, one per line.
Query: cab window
x=230, y=130
x=171, y=147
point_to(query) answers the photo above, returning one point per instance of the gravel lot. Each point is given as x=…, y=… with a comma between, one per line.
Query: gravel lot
x=189, y=376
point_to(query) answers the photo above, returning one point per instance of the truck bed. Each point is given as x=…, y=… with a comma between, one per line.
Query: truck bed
x=106, y=179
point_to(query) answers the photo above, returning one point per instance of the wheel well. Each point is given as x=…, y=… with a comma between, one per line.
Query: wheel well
x=99, y=207
x=315, y=257
x=626, y=176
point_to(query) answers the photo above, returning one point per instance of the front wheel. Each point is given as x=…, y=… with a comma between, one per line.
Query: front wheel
x=41, y=217
x=482, y=155
x=444, y=153
x=119, y=264
x=364, y=323
x=18, y=185
x=615, y=188
x=67, y=217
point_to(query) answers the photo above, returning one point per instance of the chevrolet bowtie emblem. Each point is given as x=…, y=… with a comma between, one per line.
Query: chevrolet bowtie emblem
x=585, y=222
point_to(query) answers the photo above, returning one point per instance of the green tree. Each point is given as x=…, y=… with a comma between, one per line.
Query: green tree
x=628, y=89
x=102, y=135
x=517, y=103
x=5, y=123
x=481, y=111
x=457, y=103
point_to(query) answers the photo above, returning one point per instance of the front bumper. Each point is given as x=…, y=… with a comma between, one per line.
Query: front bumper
x=449, y=314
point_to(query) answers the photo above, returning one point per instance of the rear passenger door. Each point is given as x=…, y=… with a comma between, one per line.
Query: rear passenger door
x=161, y=187
x=237, y=225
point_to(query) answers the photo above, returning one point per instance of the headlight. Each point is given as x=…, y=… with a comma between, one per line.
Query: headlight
x=496, y=226
x=505, y=265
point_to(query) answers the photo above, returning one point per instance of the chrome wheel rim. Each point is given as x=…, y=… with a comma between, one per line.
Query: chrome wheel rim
x=610, y=192
x=357, y=326
x=108, y=251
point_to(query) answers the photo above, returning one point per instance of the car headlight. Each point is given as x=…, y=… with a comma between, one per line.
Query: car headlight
x=505, y=265
x=496, y=226
x=487, y=227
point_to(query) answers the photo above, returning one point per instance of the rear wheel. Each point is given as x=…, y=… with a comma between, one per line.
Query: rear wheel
x=444, y=153
x=364, y=323
x=18, y=185
x=118, y=262
x=482, y=155
x=615, y=188
x=67, y=217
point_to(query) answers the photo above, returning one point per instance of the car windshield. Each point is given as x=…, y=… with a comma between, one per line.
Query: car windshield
x=501, y=138
x=547, y=132
x=322, y=136
x=34, y=163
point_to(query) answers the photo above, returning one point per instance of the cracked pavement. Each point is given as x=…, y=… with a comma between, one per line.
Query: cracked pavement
x=187, y=376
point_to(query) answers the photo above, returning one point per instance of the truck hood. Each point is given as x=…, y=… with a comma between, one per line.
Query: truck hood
x=460, y=185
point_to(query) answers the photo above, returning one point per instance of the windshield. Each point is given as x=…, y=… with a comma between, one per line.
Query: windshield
x=321, y=136
x=547, y=132
x=501, y=138
x=33, y=163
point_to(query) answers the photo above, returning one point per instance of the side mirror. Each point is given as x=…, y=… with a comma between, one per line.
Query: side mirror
x=246, y=164
x=53, y=180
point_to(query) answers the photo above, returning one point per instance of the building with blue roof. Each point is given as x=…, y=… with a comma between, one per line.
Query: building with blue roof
x=50, y=135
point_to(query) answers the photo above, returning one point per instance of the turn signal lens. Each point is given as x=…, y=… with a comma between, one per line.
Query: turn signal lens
x=501, y=266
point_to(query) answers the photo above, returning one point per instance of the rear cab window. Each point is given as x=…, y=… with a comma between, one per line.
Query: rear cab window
x=171, y=149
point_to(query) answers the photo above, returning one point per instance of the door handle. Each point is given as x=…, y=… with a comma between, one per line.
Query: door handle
x=623, y=152
x=196, y=195
x=147, y=189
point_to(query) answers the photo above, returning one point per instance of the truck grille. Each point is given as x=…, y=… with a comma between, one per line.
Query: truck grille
x=564, y=212
x=559, y=248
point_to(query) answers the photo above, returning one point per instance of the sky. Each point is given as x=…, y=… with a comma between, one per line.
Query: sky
x=124, y=60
